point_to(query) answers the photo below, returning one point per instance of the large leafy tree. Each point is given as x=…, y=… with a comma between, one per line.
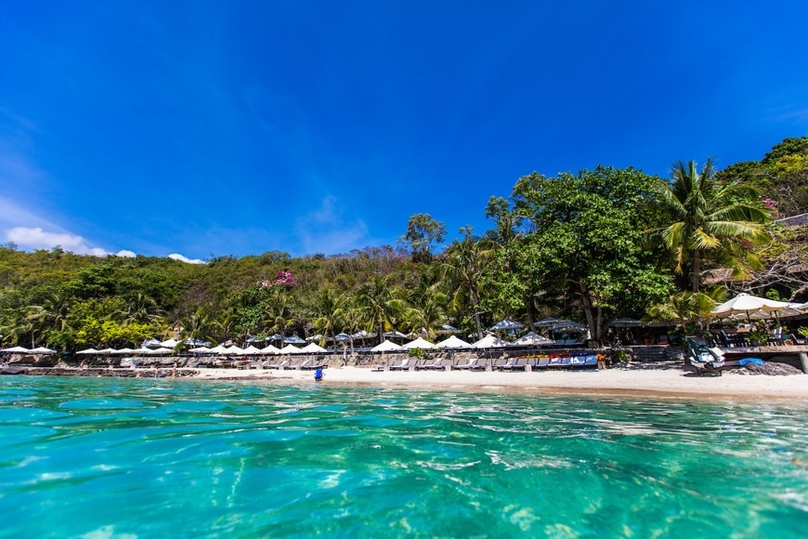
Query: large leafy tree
x=706, y=217
x=587, y=239
x=422, y=232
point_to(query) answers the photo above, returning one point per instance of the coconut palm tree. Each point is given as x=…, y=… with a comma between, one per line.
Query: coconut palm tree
x=328, y=312
x=464, y=267
x=706, y=216
x=379, y=303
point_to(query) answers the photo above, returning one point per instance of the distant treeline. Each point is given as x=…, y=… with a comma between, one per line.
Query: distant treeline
x=591, y=246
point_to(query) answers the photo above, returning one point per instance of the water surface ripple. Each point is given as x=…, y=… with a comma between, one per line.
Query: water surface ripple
x=149, y=458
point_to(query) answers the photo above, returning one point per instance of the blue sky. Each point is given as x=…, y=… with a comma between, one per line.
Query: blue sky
x=233, y=128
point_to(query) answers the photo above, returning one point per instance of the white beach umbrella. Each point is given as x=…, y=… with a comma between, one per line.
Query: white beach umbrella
x=232, y=351
x=88, y=351
x=757, y=307
x=362, y=335
x=420, y=342
x=16, y=350
x=289, y=349
x=532, y=338
x=169, y=343
x=294, y=339
x=200, y=350
x=124, y=351
x=218, y=349
x=269, y=349
x=313, y=348
x=504, y=325
x=161, y=352
x=42, y=351
x=141, y=350
x=250, y=351
x=453, y=342
x=110, y=351
x=489, y=341
x=386, y=346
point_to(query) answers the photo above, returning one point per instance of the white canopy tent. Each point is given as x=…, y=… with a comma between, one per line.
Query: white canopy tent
x=453, y=342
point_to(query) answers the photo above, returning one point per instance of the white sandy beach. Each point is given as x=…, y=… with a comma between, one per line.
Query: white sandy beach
x=670, y=382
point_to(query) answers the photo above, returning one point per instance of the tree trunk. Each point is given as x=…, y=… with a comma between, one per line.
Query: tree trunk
x=696, y=277
x=586, y=301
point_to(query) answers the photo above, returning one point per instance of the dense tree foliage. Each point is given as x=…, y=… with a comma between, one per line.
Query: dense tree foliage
x=575, y=245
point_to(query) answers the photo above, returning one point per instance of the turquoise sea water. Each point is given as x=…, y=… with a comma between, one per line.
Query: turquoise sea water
x=160, y=458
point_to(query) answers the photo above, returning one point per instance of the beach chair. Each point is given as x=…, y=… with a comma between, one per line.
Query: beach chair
x=518, y=364
x=577, y=362
x=441, y=364
x=560, y=363
x=426, y=364
x=313, y=364
x=473, y=364
x=542, y=364
x=280, y=363
x=591, y=361
x=507, y=365
x=702, y=359
x=402, y=365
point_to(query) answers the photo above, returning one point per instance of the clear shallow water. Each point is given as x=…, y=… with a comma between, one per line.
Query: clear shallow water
x=152, y=458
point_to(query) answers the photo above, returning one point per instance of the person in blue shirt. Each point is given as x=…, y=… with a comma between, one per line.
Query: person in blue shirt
x=318, y=375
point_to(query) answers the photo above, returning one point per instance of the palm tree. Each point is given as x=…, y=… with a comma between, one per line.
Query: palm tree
x=379, y=303
x=140, y=308
x=706, y=216
x=328, y=312
x=464, y=267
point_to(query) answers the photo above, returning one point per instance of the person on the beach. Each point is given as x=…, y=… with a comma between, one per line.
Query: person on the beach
x=318, y=375
x=601, y=362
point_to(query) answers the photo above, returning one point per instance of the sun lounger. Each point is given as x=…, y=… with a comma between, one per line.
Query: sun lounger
x=561, y=362
x=577, y=362
x=702, y=359
x=519, y=364
x=312, y=365
x=474, y=364
x=426, y=364
x=278, y=364
x=541, y=364
x=591, y=361
x=442, y=364
x=403, y=365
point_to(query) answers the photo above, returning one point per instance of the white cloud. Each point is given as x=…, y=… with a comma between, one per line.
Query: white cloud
x=181, y=258
x=37, y=238
x=324, y=230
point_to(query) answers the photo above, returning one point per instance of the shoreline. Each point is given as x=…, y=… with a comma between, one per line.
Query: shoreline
x=635, y=381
